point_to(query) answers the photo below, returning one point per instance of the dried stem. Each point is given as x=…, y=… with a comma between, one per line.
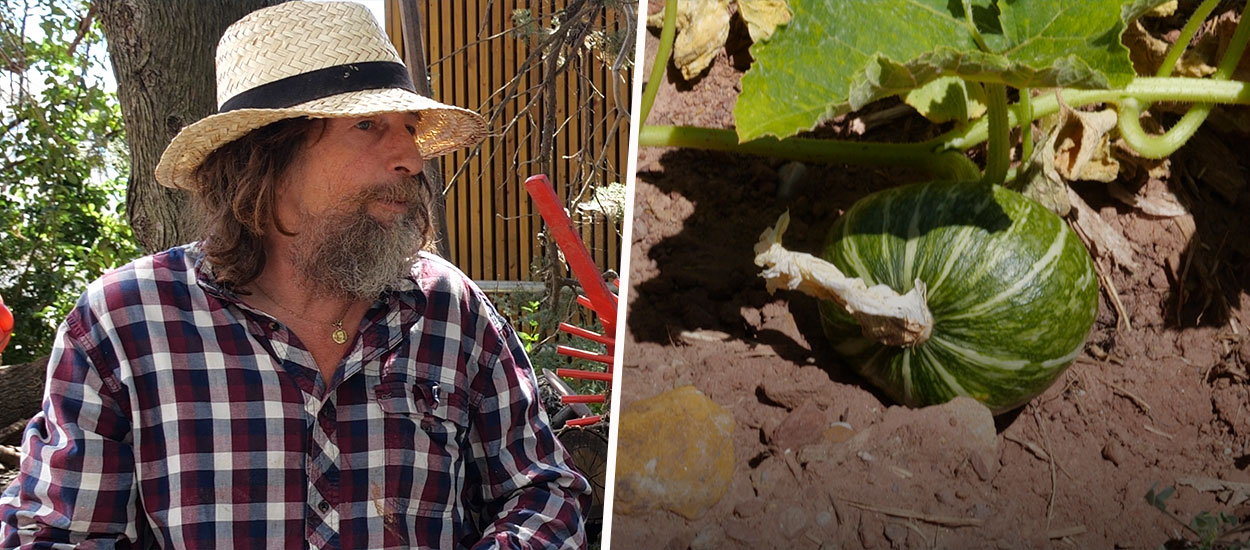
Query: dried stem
x=885, y=315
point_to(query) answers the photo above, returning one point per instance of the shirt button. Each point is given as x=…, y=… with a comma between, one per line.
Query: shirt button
x=324, y=506
x=273, y=325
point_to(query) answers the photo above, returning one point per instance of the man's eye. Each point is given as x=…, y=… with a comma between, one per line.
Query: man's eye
x=364, y=125
x=412, y=130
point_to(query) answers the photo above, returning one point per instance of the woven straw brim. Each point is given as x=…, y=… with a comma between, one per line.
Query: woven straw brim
x=443, y=128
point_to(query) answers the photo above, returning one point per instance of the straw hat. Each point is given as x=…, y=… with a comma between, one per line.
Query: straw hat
x=316, y=60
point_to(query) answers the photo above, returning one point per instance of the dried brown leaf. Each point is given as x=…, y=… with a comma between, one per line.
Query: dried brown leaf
x=1233, y=492
x=1102, y=166
x=702, y=28
x=1039, y=181
x=1104, y=239
x=1144, y=49
x=1154, y=198
x=1080, y=136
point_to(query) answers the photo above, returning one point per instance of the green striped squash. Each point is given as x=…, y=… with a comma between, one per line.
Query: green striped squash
x=1011, y=288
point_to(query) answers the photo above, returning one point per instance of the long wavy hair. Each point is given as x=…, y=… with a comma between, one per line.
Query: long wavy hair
x=236, y=196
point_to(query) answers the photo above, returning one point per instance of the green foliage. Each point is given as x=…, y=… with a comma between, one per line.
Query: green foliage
x=64, y=170
x=530, y=314
x=527, y=328
x=836, y=57
x=1214, y=531
x=1159, y=499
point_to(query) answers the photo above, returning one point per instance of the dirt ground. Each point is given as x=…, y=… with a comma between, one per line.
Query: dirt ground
x=1160, y=395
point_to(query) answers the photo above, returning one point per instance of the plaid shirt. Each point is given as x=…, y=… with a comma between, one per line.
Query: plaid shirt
x=177, y=415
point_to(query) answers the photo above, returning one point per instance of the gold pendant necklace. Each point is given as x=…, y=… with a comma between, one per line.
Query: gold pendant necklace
x=339, y=335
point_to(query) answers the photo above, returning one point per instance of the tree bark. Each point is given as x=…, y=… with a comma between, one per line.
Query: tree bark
x=414, y=54
x=22, y=388
x=162, y=53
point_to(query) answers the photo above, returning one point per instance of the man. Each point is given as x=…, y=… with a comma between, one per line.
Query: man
x=304, y=376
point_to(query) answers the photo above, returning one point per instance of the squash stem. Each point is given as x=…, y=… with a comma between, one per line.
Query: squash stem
x=941, y=155
x=972, y=27
x=1025, y=117
x=1160, y=146
x=661, y=59
x=999, y=134
x=884, y=315
x=1149, y=89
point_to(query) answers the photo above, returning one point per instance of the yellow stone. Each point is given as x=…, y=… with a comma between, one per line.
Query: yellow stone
x=675, y=452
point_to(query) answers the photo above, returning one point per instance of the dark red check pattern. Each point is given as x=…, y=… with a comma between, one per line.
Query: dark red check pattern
x=176, y=415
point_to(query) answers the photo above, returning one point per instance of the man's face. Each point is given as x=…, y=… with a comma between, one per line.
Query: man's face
x=351, y=196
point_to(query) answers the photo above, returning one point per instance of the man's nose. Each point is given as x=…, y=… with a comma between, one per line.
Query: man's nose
x=404, y=152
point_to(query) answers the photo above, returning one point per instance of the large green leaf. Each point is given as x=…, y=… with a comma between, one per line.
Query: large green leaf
x=839, y=55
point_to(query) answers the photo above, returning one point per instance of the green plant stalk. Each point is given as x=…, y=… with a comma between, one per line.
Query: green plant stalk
x=940, y=155
x=972, y=27
x=1160, y=146
x=1236, y=47
x=661, y=59
x=1186, y=36
x=1024, y=112
x=999, y=134
x=825, y=151
x=1149, y=89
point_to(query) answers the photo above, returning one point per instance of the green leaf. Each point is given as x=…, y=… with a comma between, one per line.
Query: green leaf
x=1159, y=500
x=947, y=98
x=802, y=76
x=837, y=56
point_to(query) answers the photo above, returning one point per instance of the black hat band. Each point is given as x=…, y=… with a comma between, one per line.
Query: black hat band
x=305, y=87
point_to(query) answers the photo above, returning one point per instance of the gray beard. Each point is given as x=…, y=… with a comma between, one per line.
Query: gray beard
x=353, y=255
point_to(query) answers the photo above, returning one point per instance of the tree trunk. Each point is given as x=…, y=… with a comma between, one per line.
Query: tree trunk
x=22, y=388
x=162, y=53
x=414, y=55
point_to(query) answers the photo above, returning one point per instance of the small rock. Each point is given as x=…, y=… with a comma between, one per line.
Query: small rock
x=684, y=467
x=680, y=541
x=794, y=522
x=867, y=537
x=979, y=466
x=961, y=494
x=710, y=537
x=895, y=533
x=749, y=507
x=982, y=437
x=981, y=510
x=1113, y=451
x=839, y=432
x=791, y=392
x=802, y=427
x=824, y=517
x=945, y=496
x=738, y=529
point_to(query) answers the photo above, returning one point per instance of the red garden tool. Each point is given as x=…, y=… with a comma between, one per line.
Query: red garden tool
x=6, y=325
x=598, y=295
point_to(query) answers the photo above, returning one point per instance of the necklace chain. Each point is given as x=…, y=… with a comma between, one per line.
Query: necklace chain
x=338, y=336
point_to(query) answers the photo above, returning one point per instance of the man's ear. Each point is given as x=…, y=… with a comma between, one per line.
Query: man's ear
x=281, y=199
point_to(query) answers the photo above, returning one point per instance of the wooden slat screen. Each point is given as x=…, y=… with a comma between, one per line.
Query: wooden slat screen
x=472, y=55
